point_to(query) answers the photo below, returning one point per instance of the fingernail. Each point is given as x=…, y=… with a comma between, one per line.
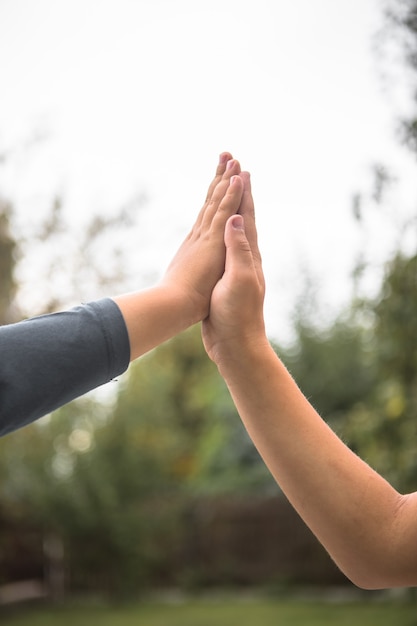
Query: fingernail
x=223, y=158
x=237, y=222
x=233, y=179
x=230, y=164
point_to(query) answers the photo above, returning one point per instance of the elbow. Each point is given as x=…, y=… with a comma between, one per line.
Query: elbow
x=377, y=582
x=364, y=577
x=373, y=576
x=386, y=560
x=372, y=582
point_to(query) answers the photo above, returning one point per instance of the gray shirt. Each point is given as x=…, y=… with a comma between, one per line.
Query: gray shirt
x=47, y=361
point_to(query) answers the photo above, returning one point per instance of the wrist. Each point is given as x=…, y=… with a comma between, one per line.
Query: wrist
x=154, y=315
x=191, y=305
x=241, y=356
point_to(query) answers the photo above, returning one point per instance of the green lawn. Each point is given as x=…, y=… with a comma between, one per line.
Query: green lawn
x=220, y=613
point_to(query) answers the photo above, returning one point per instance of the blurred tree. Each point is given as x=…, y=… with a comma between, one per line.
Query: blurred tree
x=178, y=409
x=402, y=16
x=48, y=260
x=39, y=464
x=69, y=263
x=333, y=366
x=383, y=429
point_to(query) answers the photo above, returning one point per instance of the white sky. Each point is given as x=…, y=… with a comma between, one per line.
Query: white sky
x=142, y=95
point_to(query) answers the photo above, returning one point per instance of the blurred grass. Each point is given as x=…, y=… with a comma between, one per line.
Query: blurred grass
x=219, y=613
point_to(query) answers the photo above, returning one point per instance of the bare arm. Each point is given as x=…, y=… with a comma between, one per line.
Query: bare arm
x=369, y=529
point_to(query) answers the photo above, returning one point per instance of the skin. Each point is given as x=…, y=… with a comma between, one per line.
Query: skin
x=182, y=298
x=368, y=528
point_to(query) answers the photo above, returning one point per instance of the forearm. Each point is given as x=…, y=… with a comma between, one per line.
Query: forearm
x=154, y=315
x=361, y=520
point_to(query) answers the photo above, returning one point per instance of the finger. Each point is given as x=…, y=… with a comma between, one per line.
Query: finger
x=224, y=158
x=248, y=207
x=232, y=168
x=247, y=210
x=211, y=207
x=242, y=275
x=226, y=201
x=238, y=251
x=231, y=201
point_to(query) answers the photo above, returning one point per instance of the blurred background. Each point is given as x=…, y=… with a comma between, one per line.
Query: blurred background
x=112, y=117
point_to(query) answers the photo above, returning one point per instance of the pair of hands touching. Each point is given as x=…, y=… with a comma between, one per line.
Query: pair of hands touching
x=219, y=265
x=215, y=277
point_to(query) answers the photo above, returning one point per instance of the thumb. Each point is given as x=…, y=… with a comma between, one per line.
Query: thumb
x=238, y=250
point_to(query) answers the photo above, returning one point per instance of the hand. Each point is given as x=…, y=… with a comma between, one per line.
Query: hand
x=236, y=318
x=199, y=262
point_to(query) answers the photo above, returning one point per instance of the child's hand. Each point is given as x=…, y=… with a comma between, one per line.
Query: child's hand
x=199, y=262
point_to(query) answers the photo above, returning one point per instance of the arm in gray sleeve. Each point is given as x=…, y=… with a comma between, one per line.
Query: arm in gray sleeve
x=47, y=361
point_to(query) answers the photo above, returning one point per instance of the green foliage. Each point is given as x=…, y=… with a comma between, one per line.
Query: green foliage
x=403, y=23
x=333, y=365
x=384, y=428
x=362, y=377
x=396, y=321
x=78, y=477
x=179, y=412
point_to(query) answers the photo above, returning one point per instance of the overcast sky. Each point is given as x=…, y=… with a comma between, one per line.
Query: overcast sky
x=142, y=95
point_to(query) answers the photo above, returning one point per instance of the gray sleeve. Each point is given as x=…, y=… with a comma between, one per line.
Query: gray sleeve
x=47, y=361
